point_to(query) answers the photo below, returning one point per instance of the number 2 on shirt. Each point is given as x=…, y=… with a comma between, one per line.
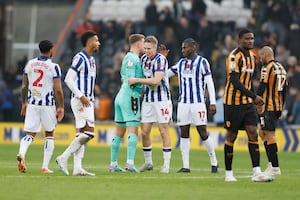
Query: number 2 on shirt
x=37, y=83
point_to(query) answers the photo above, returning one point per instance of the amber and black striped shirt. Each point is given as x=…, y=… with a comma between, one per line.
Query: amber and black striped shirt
x=243, y=65
x=274, y=76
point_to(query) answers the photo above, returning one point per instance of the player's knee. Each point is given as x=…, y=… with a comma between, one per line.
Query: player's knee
x=231, y=136
x=252, y=135
x=145, y=134
x=270, y=137
x=261, y=135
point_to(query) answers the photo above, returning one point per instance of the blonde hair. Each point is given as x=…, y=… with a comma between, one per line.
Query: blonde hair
x=151, y=39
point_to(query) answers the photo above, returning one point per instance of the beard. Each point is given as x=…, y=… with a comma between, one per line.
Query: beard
x=96, y=50
x=249, y=47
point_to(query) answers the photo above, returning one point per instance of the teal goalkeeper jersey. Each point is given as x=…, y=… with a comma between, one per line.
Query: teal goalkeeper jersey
x=131, y=68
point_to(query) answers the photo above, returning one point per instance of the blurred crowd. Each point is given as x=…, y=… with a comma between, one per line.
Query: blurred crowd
x=275, y=23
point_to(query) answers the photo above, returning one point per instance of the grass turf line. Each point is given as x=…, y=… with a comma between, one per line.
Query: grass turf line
x=200, y=184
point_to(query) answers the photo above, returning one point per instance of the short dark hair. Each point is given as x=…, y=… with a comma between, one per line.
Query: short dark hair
x=45, y=46
x=244, y=31
x=86, y=36
x=191, y=42
x=133, y=38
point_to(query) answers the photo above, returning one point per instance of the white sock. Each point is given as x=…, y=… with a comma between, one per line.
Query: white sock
x=48, y=151
x=211, y=151
x=78, y=156
x=185, y=152
x=130, y=162
x=270, y=164
x=148, y=154
x=256, y=170
x=167, y=156
x=24, y=145
x=75, y=145
x=228, y=173
x=113, y=163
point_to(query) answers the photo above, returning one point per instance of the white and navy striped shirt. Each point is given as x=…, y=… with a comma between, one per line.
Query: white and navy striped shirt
x=85, y=67
x=40, y=72
x=191, y=75
x=160, y=92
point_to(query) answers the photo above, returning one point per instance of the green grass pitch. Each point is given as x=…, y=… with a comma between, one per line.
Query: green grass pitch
x=200, y=184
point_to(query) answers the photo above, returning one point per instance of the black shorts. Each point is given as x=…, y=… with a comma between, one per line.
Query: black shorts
x=268, y=120
x=236, y=117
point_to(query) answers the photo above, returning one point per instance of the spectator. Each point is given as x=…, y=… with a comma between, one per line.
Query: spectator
x=293, y=40
x=165, y=20
x=183, y=30
x=279, y=20
x=218, y=118
x=219, y=66
x=7, y=106
x=171, y=44
x=282, y=54
x=198, y=10
x=205, y=37
x=295, y=115
x=151, y=18
x=291, y=64
x=290, y=100
x=178, y=9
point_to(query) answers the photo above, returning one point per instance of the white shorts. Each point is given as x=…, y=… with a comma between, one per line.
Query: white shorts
x=36, y=116
x=160, y=112
x=191, y=114
x=83, y=114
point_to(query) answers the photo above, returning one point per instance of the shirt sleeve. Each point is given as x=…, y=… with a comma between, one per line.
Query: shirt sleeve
x=70, y=81
x=161, y=64
x=173, y=70
x=77, y=63
x=265, y=73
x=205, y=67
x=233, y=64
x=211, y=89
x=57, y=72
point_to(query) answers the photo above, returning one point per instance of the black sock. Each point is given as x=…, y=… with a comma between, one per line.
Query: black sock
x=267, y=150
x=273, y=154
x=254, y=154
x=228, y=155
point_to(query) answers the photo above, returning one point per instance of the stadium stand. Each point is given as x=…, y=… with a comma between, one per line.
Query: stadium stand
x=227, y=10
x=213, y=23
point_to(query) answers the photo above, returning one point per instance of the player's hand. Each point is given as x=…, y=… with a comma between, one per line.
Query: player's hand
x=281, y=115
x=131, y=81
x=85, y=101
x=60, y=112
x=260, y=109
x=259, y=101
x=163, y=50
x=212, y=109
x=23, y=109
